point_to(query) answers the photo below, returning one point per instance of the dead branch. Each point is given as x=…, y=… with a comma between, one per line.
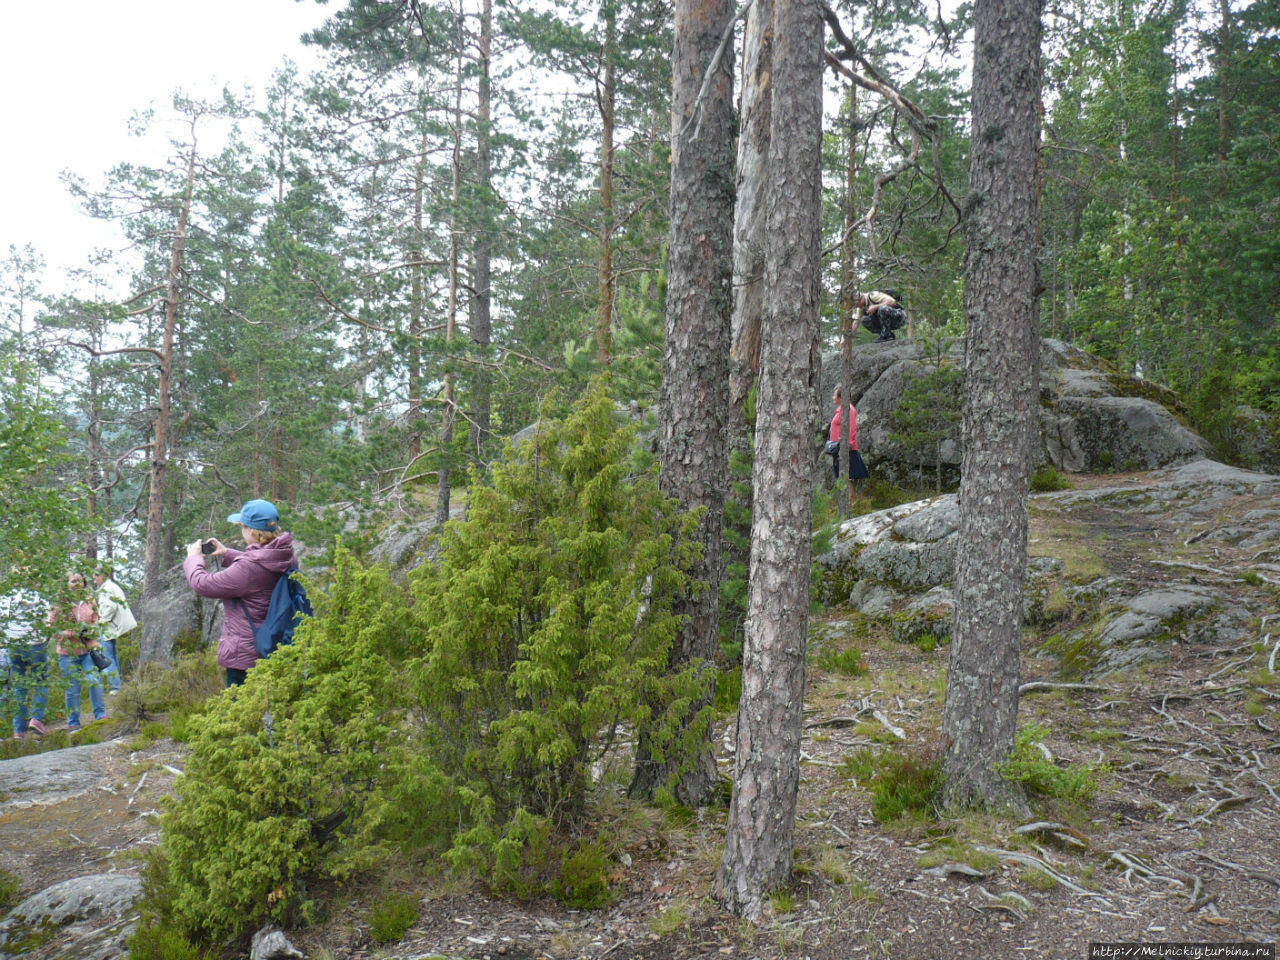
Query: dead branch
x=897, y=731
x=725, y=39
x=1026, y=860
x=1191, y=566
x=1226, y=803
x=107, y=353
x=1037, y=685
x=1249, y=872
x=838, y=722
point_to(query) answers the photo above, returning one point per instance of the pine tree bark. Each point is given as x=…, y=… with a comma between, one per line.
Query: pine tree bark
x=606, y=98
x=758, y=841
x=695, y=377
x=1001, y=404
x=848, y=303
x=156, y=545
x=482, y=299
x=445, y=479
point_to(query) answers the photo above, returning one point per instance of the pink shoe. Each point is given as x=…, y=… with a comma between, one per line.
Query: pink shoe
x=37, y=726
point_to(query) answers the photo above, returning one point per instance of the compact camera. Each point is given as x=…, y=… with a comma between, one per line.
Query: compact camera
x=207, y=546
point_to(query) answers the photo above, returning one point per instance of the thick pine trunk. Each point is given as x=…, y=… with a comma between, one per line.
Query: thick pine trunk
x=1001, y=404
x=695, y=365
x=758, y=841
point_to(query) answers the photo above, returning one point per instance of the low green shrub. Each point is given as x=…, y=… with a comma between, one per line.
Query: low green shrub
x=583, y=883
x=9, y=887
x=1047, y=479
x=154, y=940
x=905, y=785
x=391, y=917
x=1027, y=765
x=902, y=784
x=546, y=621
x=847, y=662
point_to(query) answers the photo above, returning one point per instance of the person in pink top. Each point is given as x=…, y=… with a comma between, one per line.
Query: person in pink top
x=244, y=583
x=76, y=621
x=857, y=469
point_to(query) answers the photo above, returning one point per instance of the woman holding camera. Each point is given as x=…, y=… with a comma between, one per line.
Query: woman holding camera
x=77, y=641
x=244, y=583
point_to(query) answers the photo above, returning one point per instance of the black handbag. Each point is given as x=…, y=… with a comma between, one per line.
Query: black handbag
x=833, y=446
x=100, y=658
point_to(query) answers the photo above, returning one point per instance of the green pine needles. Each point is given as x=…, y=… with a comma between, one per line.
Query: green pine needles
x=459, y=713
x=547, y=630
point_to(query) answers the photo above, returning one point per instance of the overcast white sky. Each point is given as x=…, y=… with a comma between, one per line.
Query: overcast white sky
x=73, y=72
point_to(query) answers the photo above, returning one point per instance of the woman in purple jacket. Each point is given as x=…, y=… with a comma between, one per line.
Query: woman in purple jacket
x=244, y=583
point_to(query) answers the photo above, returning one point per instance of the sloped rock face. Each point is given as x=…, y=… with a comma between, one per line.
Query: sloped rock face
x=172, y=613
x=92, y=912
x=1097, y=421
x=1091, y=420
x=1116, y=578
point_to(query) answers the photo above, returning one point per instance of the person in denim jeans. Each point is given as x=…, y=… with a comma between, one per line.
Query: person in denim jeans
x=79, y=621
x=115, y=618
x=29, y=660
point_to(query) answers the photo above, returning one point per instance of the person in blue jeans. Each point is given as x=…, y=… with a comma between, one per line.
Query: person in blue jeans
x=78, y=634
x=29, y=660
x=115, y=618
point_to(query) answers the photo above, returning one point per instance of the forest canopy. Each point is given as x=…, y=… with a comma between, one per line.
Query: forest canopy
x=344, y=290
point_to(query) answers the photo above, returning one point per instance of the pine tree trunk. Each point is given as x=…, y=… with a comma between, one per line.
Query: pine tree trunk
x=155, y=551
x=417, y=295
x=606, y=94
x=848, y=301
x=758, y=842
x=482, y=299
x=1001, y=404
x=451, y=316
x=694, y=404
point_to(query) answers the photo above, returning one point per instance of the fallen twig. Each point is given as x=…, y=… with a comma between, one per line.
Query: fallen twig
x=1191, y=566
x=1027, y=860
x=837, y=722
x=1247, y=871
x=1037, y=685
x=1226, y=803
x=892, y=728
x=137, y=788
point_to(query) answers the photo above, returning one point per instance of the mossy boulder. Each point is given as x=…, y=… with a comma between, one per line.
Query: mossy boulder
x=1093, y=418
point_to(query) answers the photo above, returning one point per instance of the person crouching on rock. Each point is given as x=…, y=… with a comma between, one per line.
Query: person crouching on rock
x=244, y=583
x=881, y=313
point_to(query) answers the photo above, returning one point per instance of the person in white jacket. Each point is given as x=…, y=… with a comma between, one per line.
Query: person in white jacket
x=114, y=617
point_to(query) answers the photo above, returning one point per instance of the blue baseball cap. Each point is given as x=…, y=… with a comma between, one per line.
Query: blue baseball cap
x=258, y=515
